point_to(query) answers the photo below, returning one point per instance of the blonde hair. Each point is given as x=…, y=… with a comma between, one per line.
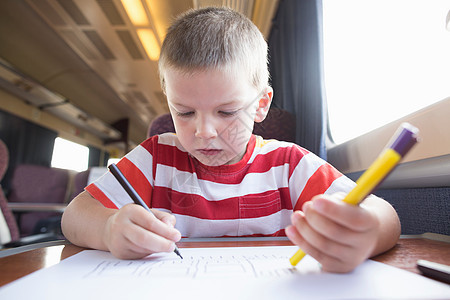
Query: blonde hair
x=215, y=38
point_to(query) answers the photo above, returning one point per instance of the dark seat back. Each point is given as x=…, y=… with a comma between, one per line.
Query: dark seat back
x=37, y=184
x=80, y=181
x=7, y=214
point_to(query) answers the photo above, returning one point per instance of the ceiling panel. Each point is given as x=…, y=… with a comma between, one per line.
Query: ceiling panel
x=89, y=52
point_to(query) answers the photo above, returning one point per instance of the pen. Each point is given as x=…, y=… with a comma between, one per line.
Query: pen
x=132, y=193
x=434, y=270
x=403, y=140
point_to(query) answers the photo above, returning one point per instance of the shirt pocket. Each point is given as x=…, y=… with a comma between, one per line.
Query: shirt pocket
x=256, y=206
x=259, y=214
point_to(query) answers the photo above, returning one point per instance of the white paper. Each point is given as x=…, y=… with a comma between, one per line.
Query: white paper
x=217, y=273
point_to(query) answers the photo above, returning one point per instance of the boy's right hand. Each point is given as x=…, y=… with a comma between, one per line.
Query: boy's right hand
x=132, y=232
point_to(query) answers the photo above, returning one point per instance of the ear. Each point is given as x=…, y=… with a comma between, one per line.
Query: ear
x=264, y=104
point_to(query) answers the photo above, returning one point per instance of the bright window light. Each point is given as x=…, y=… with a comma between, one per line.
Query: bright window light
x=113, y=161
x=383, y=60
x=70, y=155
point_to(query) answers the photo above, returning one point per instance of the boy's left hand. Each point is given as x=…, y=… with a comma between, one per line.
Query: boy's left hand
x=338, y=235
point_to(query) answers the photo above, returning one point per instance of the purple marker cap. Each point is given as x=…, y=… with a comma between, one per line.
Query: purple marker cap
x=404, y=139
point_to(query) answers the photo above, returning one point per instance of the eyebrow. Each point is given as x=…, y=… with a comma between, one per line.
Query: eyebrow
x=178, y=104
x=187, y=107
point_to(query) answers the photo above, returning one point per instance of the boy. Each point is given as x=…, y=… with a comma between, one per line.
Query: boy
x=216, y=178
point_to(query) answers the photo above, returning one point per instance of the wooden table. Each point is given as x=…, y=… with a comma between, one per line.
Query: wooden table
x=404, y=255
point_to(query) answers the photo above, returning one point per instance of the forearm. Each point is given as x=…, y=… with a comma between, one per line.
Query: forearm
x=83, y=222
x=389, y=224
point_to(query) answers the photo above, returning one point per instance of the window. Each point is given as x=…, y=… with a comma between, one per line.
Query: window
x=113, y=161
x=70, y=155
x=383, y=59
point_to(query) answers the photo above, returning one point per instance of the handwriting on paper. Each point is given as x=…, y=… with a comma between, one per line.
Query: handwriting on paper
x=259, y=265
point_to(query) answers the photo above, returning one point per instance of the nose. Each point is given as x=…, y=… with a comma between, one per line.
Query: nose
x=205, y=128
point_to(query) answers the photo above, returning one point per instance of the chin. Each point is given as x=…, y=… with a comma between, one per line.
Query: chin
x=213, y=162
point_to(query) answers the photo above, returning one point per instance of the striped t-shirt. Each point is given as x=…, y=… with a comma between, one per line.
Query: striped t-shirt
x=254, y=197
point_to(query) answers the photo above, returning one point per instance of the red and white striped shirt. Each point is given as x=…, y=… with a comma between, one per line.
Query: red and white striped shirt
x=254, y=197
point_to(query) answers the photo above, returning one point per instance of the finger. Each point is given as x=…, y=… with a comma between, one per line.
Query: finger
x=353, y=217
x=300, y=234
x=323, y=245
x=129, y=250
x=292, y=232
x=150, y=222
x=165, y=217
x=328, y=228
x=144, y=241
x=329, y=263
x=123, y=244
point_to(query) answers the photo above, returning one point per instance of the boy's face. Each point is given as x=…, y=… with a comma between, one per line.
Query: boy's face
x=214, y=113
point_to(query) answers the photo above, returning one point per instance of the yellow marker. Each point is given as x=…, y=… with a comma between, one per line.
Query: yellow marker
x=405, y=137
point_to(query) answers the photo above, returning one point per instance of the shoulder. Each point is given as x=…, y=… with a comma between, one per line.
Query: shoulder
x=273, y=146
x=277, y=153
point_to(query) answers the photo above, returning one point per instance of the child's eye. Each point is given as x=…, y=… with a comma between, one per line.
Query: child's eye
x=185, y=114
x=228, y=113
